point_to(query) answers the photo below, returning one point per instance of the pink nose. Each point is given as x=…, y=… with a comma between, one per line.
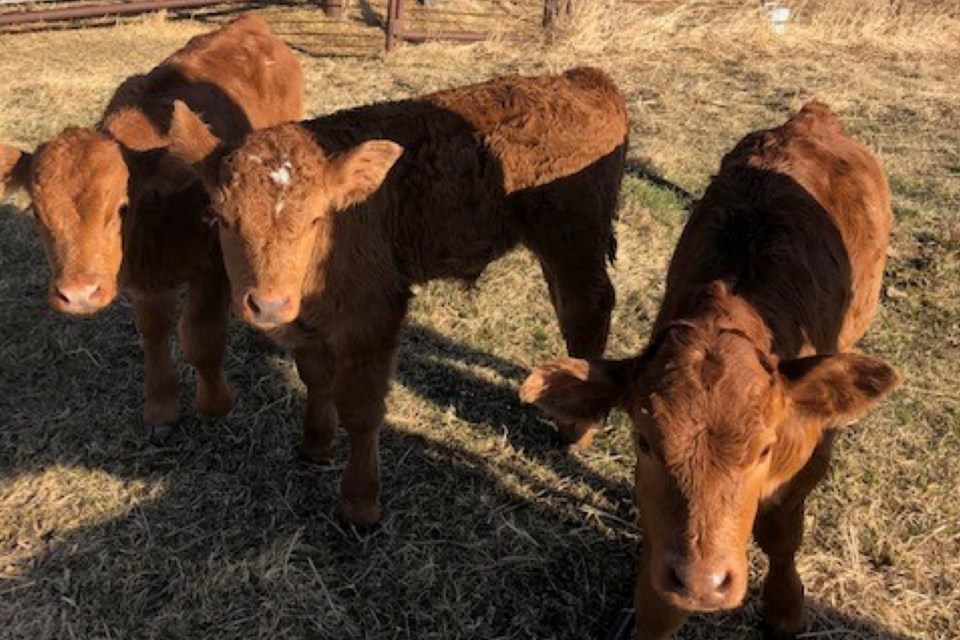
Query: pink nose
x=701, y=585
x=268, y=310
x=78, y=295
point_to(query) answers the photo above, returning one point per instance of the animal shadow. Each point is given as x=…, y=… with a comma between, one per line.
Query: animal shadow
x=223, y=532
x=825, y=622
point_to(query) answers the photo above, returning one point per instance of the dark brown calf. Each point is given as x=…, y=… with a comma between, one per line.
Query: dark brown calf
x=115, y=210
x=749, y=372
x=326, y=224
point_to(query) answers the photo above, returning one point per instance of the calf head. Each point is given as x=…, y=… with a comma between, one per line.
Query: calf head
x=79, y=183
x=274, y=195
x=719, y=425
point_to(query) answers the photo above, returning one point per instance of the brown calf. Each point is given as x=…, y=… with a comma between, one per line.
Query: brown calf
x=749, y=372
x=115, y=210
x=326, y=224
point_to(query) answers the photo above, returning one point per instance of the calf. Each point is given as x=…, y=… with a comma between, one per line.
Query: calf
x=326, y=224
x=749, y=373
x=115, y=210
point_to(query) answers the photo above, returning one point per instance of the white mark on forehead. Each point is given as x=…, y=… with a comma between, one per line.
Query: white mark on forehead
x=281, y=175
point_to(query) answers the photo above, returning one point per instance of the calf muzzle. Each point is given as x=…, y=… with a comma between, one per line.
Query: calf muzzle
x=79, y=296
x=703, y=585
x=268, y=310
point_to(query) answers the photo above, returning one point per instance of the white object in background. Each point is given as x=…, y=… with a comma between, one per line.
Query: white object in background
x=779, y=15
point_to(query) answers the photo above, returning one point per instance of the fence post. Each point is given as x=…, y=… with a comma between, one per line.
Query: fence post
x=332, y=8
x=394, y=22
x=552, y=10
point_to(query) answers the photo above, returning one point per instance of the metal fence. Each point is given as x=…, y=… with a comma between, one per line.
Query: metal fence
x=65, y=11
x=412, y=21
x=404, y=20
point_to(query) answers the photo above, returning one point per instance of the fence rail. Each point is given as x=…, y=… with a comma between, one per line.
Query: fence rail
x=401, y=24
x=56, y=14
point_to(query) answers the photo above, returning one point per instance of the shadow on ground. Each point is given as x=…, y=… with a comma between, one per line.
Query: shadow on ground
x=490, y=529
x=645, y=170
x=825, y=622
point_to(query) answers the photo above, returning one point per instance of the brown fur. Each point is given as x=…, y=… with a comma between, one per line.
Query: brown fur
x=116, y=211
x=749, y=371
x=14, y=168
x=325, y=225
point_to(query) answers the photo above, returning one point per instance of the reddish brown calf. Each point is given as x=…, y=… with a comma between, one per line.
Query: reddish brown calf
x=115, y=210
x=749, y=372
x=325, y=225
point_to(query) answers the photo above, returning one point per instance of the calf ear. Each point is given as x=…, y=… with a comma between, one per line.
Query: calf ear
x=357, y=173
x=160, y=172
x=837, y=389
x=14, y=169
x=571, y=389
x=192, y=142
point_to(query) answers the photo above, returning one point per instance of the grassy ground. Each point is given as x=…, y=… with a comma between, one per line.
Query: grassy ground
x=490, y=530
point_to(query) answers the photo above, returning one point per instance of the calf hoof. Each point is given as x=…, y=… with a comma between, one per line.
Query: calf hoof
x=315, y=454
x=161, y=414
x=361, y=516
x=159, y=434
x=214, y=404
x=783, y=629
x=576, y=434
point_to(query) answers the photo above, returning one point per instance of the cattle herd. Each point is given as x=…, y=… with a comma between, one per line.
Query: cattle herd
x=201, y=173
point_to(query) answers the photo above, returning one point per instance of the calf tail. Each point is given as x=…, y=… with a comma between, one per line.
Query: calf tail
x=612, y=247
x=621, y=155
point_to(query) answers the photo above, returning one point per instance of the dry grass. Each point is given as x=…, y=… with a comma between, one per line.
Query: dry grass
x=490, y=530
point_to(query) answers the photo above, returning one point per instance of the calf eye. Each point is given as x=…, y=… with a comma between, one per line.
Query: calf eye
x=643, y=446
x=213, y=219
x=115, y=223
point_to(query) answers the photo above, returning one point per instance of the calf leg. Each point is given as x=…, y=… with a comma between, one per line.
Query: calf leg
x=203, y=338
x=360, y=391
x=655, y=618
x=778, y=530
x=583, y=301
x=316, y=367
x=583, y=298
x=155, y=316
